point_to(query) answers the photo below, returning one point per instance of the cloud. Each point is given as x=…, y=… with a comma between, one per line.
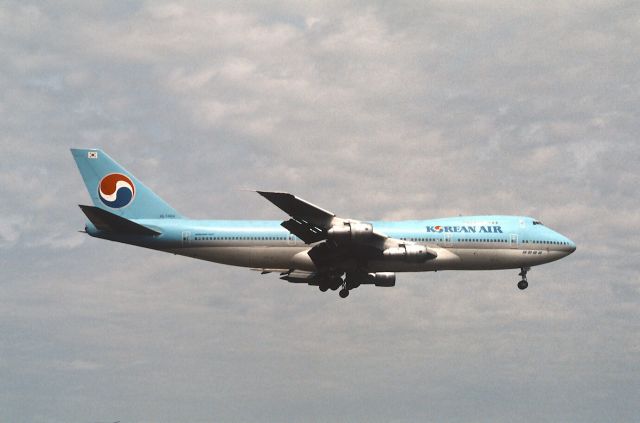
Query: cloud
x=372, y=110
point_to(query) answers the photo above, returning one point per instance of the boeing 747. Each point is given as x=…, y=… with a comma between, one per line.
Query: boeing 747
x=312, y=246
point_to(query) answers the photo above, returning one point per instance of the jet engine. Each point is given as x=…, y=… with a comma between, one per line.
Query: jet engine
x=351, y=232
x=386, y=279
x=412, y=253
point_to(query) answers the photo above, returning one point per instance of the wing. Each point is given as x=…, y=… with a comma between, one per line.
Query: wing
x=343, y=239
x=308, y=221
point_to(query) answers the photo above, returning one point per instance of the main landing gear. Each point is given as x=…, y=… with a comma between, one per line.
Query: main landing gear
x=346, y=284
x=351, y=281
x=523, y=284
x=344, y=292
x=331, y=284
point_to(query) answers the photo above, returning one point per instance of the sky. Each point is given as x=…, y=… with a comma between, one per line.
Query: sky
x=373, y=110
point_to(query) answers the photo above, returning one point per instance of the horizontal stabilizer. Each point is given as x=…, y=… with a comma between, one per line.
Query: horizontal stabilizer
x=106, y=221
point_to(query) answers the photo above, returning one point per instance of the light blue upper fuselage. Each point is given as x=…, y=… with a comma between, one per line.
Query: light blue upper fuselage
x=477, y=242
x=461, y=230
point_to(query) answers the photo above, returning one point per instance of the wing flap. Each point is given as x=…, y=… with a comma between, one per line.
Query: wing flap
x=305, y=231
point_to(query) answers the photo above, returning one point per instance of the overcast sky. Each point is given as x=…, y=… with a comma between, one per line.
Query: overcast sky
x=374, y=110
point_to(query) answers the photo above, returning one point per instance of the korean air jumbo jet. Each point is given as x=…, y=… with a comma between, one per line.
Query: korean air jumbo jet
x=313, y=246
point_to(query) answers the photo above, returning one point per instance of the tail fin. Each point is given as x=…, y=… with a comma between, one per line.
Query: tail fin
x=114, y=189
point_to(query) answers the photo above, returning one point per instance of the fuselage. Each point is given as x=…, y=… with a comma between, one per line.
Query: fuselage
x=461, y=243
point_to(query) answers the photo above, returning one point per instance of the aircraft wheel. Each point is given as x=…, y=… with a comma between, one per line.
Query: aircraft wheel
x=344, y=293
x=523, y=284
x=323, y=288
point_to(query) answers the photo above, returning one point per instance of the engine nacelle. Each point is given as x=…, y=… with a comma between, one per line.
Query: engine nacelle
x=386, y=279
x=413, y=253
x=351, y=232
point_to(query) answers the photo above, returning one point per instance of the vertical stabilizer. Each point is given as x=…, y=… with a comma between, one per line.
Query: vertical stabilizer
x=112, y=188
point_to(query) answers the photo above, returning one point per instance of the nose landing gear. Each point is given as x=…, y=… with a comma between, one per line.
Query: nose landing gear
x=523, y=284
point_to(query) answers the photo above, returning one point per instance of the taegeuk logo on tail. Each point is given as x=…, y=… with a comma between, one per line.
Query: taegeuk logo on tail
x=116, y=190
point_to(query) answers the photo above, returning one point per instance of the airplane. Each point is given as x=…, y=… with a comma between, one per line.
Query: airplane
x=313, y=246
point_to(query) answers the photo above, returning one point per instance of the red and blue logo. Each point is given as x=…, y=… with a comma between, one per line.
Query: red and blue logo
x=116, y=190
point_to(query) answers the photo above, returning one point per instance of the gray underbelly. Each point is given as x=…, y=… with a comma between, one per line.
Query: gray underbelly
x=271, y=257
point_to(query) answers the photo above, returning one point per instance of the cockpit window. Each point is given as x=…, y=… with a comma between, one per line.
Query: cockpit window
x=537, y=222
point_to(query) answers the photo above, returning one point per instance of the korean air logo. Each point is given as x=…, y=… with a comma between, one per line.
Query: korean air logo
x=437, y=228
x=116, y=190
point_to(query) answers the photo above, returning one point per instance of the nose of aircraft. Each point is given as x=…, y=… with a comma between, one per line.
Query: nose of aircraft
x=567, y=246
x=571, y=245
